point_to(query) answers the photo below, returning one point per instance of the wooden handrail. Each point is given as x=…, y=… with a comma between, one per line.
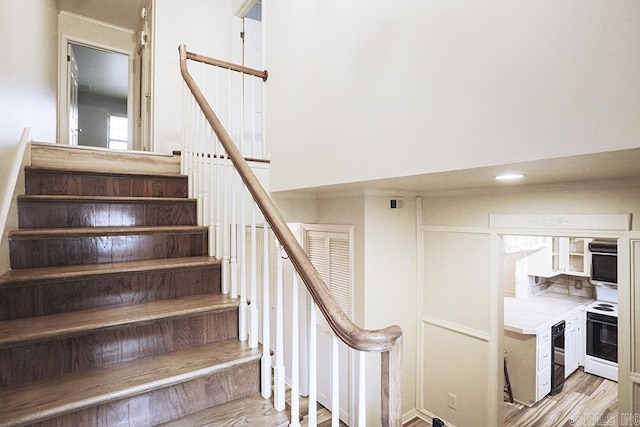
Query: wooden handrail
x=388, y=341
x=264, y=75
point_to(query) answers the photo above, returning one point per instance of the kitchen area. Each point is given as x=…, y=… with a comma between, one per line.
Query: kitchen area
x=560, y=314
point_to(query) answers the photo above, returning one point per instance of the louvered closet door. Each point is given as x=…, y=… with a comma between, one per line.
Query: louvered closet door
x=330, y=253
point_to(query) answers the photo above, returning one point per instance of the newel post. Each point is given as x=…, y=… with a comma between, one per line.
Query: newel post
x=391, y=385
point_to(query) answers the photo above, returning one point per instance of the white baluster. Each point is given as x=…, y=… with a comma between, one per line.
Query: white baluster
x=295, y=365
x=185, y=115
x=362, y=383
x=253, y=315
x=219, y=197
x=212, y=185
x=225, y=227
x=253, y=115
x=234, y=191
x=201, y=164
x=279, y=398
x=266, y=333
x=243, y=271
x=190, y=153
x=313, y=380
x=242, y=110
x=233, y=243
x=207, y=179
x=335, y=381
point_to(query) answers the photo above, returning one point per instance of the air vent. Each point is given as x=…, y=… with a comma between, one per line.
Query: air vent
x=396, y=203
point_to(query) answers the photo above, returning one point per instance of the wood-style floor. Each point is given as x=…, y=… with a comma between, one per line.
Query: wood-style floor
x=585, y=400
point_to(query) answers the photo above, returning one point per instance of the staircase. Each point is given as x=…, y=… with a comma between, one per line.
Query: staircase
x=112, y=313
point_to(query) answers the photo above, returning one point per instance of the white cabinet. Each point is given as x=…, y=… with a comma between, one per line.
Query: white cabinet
x=573, y=347
x=529, y=365
x=575, y=255
x=543, y=372
x=560, y=255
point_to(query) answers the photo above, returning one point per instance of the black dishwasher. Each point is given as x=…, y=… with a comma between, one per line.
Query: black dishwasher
x=557, y=357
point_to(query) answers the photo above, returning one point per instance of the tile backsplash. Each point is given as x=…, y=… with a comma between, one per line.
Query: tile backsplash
x=567, y=285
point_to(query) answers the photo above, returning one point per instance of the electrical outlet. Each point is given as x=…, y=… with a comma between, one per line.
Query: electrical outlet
x=451, y=400
x=578, y=284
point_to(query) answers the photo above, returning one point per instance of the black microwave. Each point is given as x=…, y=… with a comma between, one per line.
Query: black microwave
x=604, y=263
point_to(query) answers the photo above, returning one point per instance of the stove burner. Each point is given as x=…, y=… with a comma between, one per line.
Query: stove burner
x=603, y=307
x=602, y=304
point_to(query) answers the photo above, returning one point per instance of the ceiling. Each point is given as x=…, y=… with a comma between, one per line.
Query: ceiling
x=614, y=165
x=123, y=13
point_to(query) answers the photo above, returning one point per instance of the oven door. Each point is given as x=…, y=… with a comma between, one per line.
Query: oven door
x=602, y=336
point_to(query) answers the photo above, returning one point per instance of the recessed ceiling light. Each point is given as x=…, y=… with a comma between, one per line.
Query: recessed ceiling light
x=509, y=177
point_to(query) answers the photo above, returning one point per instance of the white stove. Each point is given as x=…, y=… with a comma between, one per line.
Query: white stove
x=602, y=334
x=603, y=307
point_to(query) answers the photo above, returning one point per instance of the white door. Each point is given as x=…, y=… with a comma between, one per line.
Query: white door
x=330, y=252
x=72, y=65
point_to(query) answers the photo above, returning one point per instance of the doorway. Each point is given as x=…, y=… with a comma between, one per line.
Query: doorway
x=572, y=229
x=547, y=287
x=99, y=91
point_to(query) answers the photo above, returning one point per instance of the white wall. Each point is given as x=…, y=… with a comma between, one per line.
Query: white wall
x=455, y=327
x=204, y=27
x=93, y=118
x=382, y=89
x=28, y=86
x=27, y=73
x=456, y=335
x=390, y=288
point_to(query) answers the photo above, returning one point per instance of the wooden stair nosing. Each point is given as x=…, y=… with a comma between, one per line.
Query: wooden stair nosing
x=43, y=400
x=47, y=198
x=52, y=274
x=52, y=233
x=62, y=171
x=63, y=325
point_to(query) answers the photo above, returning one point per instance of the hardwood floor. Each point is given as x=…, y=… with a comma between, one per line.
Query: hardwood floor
x=586, y=400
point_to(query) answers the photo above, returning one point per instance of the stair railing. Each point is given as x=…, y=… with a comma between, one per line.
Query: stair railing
x=221, y=180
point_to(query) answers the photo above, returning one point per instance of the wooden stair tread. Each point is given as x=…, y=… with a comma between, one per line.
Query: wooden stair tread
x=16, y=277
x=43, y=328
x=249, y=411
x=35, y=169
x=44, y=233
x=103, y=199
x=39, y=401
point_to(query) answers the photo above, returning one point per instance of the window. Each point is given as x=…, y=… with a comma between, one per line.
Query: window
x=118, y=132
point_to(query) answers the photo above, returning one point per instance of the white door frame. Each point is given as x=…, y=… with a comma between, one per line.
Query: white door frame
x=602, y=226
x=63, y=81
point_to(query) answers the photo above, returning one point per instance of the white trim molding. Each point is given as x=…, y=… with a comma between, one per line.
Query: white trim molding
x=454, y=229
x=604, y=222
x=457, y=328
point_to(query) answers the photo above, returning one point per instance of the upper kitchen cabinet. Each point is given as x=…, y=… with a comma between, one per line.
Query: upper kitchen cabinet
x=560, y=255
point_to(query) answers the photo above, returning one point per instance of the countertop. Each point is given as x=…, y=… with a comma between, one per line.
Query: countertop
x=536, y=313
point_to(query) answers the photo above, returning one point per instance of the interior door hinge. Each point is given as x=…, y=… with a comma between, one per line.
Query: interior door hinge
x=242, y=35
x=68, y=58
